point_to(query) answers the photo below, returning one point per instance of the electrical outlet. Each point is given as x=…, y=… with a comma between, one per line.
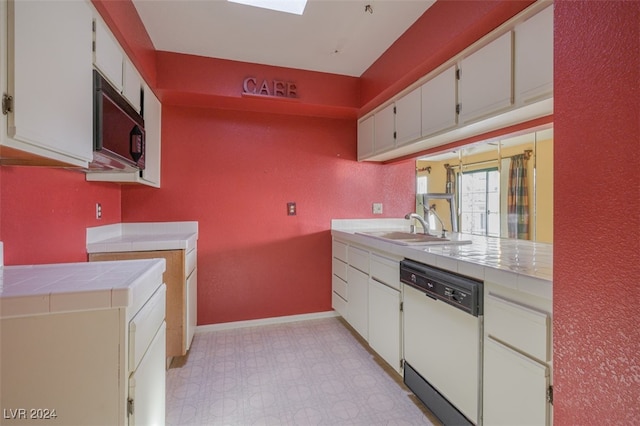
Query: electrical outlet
x=291, y=209
x=98, y=211
x=377, y=208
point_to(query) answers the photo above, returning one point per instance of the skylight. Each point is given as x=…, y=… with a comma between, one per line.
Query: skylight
x=288, y=6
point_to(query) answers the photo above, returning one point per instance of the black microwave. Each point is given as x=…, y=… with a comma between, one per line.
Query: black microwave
x=118, y=130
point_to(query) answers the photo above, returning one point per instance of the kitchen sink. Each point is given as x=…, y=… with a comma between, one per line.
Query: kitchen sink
x=407, y=238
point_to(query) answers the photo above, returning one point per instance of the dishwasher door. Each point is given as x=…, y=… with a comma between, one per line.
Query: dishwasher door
x=442, y=344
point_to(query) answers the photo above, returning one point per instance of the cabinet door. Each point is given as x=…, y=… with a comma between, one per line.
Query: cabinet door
x=108, y=56
x=50, y=79
x=384, y=322
x=384, y=129
x=515, y=387
x=485, y=79
x=408, y=117
x=534, y=57
x=147, y=385
x=358, y=306
x=191, y=314
x=365, y=138
x=131, y=84
x=153, y=138
x=439, y=103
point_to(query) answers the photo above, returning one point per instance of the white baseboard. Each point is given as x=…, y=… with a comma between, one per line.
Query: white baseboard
x=264, y=321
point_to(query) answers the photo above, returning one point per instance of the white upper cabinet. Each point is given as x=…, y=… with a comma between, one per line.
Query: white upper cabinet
x=534, y=57
x=408, y=117
x=365, y=137
x=485, y=85
x=384, y=132
x=49, y=82
x=131, y=84
x=439, y=102
x=152, y=127
x=504, y=79
x=113, y=64
x=108, y=57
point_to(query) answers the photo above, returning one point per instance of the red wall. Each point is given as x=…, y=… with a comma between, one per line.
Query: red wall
x=597, y=213
x=234, y=173
x=45, y=213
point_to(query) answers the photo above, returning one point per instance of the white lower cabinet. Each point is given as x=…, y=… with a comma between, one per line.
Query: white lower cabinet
x=90, y=367
x=180, y=278
x=146, y=393
x=191, y=308
x=384, y=322
x=339, y=296
x=517, y=358
x=515, y=387
x=358, y=307
x=366, y=293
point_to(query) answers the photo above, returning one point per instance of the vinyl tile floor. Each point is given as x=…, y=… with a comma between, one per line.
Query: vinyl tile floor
x=313, y=372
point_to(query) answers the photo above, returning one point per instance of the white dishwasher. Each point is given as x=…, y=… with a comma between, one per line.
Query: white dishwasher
x=443, y=341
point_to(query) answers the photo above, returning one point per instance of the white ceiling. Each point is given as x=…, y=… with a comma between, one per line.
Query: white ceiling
x=333, y=36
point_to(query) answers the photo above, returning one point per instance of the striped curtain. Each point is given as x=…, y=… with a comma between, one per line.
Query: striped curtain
x=518, y=199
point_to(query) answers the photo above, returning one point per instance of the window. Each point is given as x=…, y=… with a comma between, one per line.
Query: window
x=421, y=185
x=479, y=193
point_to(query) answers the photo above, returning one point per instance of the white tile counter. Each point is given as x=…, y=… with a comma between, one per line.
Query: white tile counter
x=147, y=236
x=67, y=287
x=519, y=264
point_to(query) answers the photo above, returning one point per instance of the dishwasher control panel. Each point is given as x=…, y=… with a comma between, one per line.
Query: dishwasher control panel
x=457, y=290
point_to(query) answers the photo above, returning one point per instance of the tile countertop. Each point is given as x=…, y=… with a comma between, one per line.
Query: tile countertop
x=67, y=287
x=145, y=236
x=522, y=265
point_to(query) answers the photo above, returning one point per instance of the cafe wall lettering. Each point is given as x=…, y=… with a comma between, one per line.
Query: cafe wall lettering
x=273, y=88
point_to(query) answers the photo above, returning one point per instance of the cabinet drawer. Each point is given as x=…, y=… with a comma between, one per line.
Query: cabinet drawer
x=385, y=270
x=144, y=326
x=524, y=328
x=339, y=286
x=339, y=250
x=339, y=268
x=190, y=262
x=359, y=259
x=339, y=304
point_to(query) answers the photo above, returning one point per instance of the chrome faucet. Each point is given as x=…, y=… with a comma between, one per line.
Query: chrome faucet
x=432, y=210
x=420, y=219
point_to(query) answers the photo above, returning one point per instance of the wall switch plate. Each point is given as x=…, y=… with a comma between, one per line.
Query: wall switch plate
x=98, y=211
x=377, y=208
x=291, y=209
